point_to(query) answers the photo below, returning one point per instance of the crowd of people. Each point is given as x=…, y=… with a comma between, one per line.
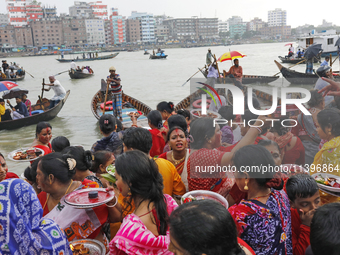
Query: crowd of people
x=10, y=71
x=270, y=212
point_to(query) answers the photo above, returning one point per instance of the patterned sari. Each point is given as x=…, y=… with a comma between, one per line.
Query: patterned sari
x=266, y=228
x=22, y=228
x=134, y=238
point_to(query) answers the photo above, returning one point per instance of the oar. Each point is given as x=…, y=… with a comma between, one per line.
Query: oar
x=107, y=90
x=334, y=60
x=291, y=66
x=42, y=93
x=60, y=73
x=192, y=76
x=29, y=74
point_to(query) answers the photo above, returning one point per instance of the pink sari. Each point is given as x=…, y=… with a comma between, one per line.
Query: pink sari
x=134, y=238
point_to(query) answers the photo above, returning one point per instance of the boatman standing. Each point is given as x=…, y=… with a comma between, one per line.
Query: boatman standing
x=209, y=57
x=116, y=91
x=59, y=91
x=73, y=65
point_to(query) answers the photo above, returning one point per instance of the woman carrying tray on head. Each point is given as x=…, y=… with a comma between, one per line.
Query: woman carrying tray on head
x=43, y=135
x=54, y=176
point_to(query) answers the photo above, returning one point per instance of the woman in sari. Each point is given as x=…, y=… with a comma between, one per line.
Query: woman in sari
x=54, y=176
x=43, y=135
x=291, y=146
x=306, y=128
x=166, y=109
x=263, y=219
x=204, y=155
x=27, y=103
x=205, y=227
x=179, y=154
x=145, y=231
x=23, y=230
x=158, y=133
x=4, y=174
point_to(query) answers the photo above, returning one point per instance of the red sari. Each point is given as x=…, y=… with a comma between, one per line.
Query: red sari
x=158, y=142
x=46, y=149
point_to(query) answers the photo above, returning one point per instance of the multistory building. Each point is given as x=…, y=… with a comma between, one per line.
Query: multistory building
x=17, y=12
x=277, y=17
x=182, y=28
x=23, y=36
x=7, y=37
x=49, y=12
x=47, y=31
x=99, y=10
x=33, y=11
x=74, y=31
x=108, y=32
x=236, y=26
x=81, y=9
x=4, y=19
x=147, y=26
x=118, y=27
x=133, y=30
x=95, y=31
x=207, y=28
x=255, y=24
x=277, y=32
x=223, y=26
x=161, y=33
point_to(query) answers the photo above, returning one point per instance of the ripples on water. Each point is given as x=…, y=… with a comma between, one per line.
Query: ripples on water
x=150, y=81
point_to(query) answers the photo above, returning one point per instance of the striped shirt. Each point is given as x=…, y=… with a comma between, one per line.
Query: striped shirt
x=115, y=87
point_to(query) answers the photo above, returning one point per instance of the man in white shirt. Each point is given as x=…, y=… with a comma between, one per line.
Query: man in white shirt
x=291, y=48
x=59, y=91
x=73, y=65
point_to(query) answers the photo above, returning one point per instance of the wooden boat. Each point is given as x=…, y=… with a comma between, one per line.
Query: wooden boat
x=295, y=60
x=63, y=60
x=46, y=115
x=98, y=100
x=295, y=77
x=79, y=75
x=157, y=57
x=247, y=79
x=18, y=78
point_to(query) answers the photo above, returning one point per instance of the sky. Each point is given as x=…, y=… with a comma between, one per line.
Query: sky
x=298, y=12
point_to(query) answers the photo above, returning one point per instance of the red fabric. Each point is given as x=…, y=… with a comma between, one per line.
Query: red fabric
x=229, y=148
x=158, y=223
x=244, y=244
x=46, y=150
x=163, y=155
x=296, y=155
x=237, y=194
x=10, y=175
x=158, y=142
x=300, y=234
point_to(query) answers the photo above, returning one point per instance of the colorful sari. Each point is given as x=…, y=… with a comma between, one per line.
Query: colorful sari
x=266, y=228
x=28, y=105
x=295, y=155
x=134, y=238
x=22, y=228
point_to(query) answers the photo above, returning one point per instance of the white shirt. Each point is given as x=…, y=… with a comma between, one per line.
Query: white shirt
x=212, y=72
x=291, y=49
x=59, y=91
x=73, y=65
x=85, y=70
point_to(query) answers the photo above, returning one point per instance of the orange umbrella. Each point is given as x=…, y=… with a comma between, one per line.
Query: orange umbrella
x=230, y=55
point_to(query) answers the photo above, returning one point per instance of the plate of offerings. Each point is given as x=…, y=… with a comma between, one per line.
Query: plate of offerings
x=203, y=194
x=87, y=246
x=88, y=198
x=210, y=114
x=25, y=155
x=328, y=182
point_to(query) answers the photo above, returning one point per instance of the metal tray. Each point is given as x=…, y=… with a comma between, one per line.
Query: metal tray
x=95, y=247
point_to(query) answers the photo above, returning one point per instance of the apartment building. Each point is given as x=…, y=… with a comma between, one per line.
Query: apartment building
x=33, y=11
x=133, y=30
x=277, y=17
x=81, y=9
x=95, y=31
x=23, y=36
x=47, y=31
x=17, y=12
x=99, y=10
x=74, y=31
x=118, y=24
x=147, y=26
x=7, y=36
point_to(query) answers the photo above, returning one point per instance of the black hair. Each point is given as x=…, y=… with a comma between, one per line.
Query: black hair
x=301, y=186
x=268, y=142
x=2, y=156
x=247, y=116
x=155, y=118
x=204, y=226
x=315, y=98
x=31, y=171
x=99, y=158
x=138, y=139
x=82, y=157
x=56, y=163
x=165, y=106
x=41, y=126
x=324, y=230
x=201, y=130
x=119, y=125
x=145, y=182
x=252, y=156
x=185, y=113
x=227, y=113
x=59, y=143
x=107, y=123
x=2, y=100
x=177, y=120
x=330, y=117
x=279, y=128
x=174, y=128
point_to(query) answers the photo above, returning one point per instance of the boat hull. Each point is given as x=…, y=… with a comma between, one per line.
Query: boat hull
x=157, y=57
x=13, y=79
x=63, y=60
x=36, y=118
x=295, y=60
x=79, y=75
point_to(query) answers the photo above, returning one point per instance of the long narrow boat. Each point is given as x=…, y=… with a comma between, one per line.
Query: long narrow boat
x=79, y=75
x=295, y=60
x=157, y=57
x=45, y=115
x=63, y=60
x=247, y=79
x=295, y=77
x=130, y=104
x=18, y=78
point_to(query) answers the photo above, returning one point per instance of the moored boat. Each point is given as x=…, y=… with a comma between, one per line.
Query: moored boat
x=63, y=60
x=130, y=104
x=79, y=75
x=43, y=114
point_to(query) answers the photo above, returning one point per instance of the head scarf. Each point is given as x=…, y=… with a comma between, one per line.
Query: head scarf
x=22, y=228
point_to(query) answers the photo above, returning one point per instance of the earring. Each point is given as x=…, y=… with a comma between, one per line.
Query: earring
x=129, y=193
x=246, y=185
x=209, y=141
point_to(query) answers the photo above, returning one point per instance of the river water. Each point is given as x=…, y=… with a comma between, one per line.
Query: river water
x=150, y=81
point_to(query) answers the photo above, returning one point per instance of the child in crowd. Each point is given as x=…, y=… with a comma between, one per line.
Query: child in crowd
x=304, y=197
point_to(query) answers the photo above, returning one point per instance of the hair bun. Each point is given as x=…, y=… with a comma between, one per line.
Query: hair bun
x=71, y=163
x=171, y=105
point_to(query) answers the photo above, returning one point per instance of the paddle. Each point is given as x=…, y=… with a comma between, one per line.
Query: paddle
x=291, y=66
x=29, y=74
x=42, y=93
x=60, y=73
x=193, y=76
x=107, y=90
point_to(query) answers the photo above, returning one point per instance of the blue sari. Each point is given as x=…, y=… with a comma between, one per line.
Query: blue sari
x=22, y=228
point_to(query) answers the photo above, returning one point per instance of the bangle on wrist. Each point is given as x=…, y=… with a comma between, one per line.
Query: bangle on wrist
x=112, y=205
x=258, y=129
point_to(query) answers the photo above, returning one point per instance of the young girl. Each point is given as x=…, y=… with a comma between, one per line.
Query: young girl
x=158, y=133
